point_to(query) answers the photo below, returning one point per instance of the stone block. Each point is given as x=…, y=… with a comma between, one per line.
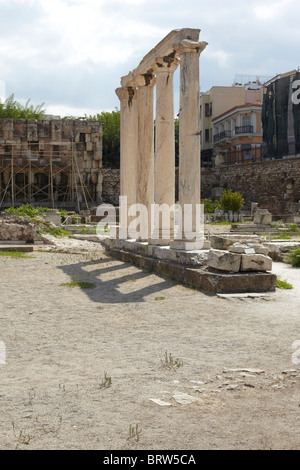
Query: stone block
x=274, y=251
x=224, y=260
x=256, y=262
x=89, y=146
x=238, y=248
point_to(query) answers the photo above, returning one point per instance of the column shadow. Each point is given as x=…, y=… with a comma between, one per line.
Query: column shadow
x=109, y=290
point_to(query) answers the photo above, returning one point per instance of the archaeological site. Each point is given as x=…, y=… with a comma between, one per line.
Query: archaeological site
x=156, y=305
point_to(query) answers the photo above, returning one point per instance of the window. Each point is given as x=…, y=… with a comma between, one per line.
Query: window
x=207, y=107
x=246, y=121
x=207, y=135
x=246, y=151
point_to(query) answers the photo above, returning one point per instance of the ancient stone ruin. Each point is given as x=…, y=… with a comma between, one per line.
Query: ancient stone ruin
x=148, y=177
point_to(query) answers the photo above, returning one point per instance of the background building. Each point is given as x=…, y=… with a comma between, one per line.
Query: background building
x=218, y=101
x=237, y=134
x=281, y=117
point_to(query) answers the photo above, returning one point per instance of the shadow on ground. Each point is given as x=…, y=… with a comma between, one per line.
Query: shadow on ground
x=110, y=290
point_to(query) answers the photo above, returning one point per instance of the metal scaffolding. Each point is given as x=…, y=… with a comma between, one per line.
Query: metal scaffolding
x=48, y=176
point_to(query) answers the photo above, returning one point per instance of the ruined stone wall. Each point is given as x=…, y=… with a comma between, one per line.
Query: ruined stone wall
x=50, y=160
x=110, y=185
x=274, y=185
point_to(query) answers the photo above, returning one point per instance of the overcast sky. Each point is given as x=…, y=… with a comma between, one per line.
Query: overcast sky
x=70, y=54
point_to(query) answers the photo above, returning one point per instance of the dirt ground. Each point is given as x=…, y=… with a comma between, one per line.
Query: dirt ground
x=84, y=366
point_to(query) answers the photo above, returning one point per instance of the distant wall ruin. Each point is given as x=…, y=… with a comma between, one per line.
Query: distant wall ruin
x=50, y=162
x=274, y=185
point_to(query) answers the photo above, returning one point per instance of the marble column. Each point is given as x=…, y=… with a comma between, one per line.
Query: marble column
x=128, y=151
x=164, y=156
x=189, y=144
x=145, y=152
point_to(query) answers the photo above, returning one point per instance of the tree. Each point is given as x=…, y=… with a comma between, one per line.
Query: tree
x=12, y=109
x=111, y=138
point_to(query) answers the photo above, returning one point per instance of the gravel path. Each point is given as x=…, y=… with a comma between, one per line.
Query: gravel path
x=83, y=365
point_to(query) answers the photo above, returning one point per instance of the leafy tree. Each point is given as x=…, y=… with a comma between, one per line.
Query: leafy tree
x=12, y=109
x=231, y=201
x=110, y=137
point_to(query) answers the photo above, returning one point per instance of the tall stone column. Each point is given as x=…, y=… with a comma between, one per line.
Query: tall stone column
x=145, y=152
x=164, y=157
x=189, y=142
x=128, y=150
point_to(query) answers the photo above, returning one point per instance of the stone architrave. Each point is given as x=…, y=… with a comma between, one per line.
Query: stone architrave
x=164, y=157
x=189, y=138
x=128, y=149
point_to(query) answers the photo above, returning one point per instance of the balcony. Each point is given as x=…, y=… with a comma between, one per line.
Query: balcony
x=224, y=135
x=244, y=130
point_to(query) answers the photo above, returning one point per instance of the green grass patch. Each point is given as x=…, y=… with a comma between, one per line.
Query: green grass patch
x=280, y=237
x=81, y=284
x=223, y=222
x=15, y=254
x=283, y=284
x=160, y=298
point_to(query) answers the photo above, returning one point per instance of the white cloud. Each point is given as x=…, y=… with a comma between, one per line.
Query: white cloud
x=271, y=10
x=221, y=57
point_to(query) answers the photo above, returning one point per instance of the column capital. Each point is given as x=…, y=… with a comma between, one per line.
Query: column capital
x=182, y=47
x=146, y=79
x=165, y=64
x=126, y=93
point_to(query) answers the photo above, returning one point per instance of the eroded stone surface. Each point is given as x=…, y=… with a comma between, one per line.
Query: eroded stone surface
x=224, y=260
x=256, y=262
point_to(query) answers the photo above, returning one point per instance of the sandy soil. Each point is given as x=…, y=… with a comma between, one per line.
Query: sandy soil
x=84, y=365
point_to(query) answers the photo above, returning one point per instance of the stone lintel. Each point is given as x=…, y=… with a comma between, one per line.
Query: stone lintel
x=163, y=49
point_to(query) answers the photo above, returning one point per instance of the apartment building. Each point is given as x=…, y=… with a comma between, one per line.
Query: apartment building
x=221, y=112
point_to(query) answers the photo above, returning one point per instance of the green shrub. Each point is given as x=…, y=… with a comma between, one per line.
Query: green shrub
x=27, y=210
x=293, y=228
x=210, y=206
x=294, y=258
x=231, y=201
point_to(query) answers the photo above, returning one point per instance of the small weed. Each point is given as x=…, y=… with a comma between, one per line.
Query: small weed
x=134, y=432
x=169, y=362
x=144, y=250
x=82, y=284
x=283, y=284
x=160, y=298
x=23, y=437
x=100, y=308
x=106, y=381
x=48, y=429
